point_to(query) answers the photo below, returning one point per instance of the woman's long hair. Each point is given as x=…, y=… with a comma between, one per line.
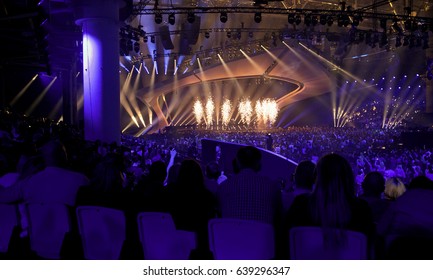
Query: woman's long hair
x=190, y=175
x=332, y=195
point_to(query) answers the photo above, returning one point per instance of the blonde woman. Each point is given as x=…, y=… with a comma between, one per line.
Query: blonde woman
x=394, y=188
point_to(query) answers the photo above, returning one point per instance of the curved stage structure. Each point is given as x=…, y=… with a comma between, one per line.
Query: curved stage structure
x=295, y=66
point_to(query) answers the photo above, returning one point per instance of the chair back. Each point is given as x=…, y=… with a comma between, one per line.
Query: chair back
x=102, y=232
x=236, y=239
x=8, y=221
x=48, y=224
x=161, y=240
x=307, y=243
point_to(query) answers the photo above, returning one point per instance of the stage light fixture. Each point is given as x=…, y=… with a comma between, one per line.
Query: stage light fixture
x=258, y=17
x=314, y=20
x=398, y=42
x=291, y=18
x=298, y=19
x=223, y=17
x=355, y=21
x=129, y=46
x=171, y=19
x=406, y=41
x=137, y=47
x=307, y=20
x=322, y=19
x=383, y=23
x=206, y=35
x=190, y=17
x=229, y=34
x=329, y=20
x=152, y=39
x=158, y=18
x=425, y=45
x=145, y=39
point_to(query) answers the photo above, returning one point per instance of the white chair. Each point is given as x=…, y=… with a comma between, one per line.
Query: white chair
x=102, y=232
x=8, y=221
x=48, y=224
x=161, y=240
x=236, y=239
x=307, y=243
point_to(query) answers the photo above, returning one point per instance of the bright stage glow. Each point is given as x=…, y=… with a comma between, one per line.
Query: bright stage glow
x=246, y=111
x=226, y=112
x=198, y=111
x=266, y=112
x=210, y=108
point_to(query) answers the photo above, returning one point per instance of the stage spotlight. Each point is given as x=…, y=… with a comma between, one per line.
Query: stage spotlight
x=383, y=23
x=425, y=45
x=123, y=47
x=190, y=17
x=406, y=41
x=223, y=17
x=408, y=24
x=355, y=21
x=171, y=19
x=137, y=47
x=383, y=40
x=329, y=20
x=206, y=35
x=129, y=46
x=322, y=19
x=229, y=34
x=152, y=39
x=258, y=17
x=314, y=20
x=298, y=19
x=418, y=42
x=411, y=42
x=340, y=21
x=145, y=39
x=307, y=20
x=291, y=19
x=158, y=18
x=398, y=42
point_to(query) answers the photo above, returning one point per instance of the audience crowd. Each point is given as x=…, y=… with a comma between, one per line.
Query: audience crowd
x=364, y=180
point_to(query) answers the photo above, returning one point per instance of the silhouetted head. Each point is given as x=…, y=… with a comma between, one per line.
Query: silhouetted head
x=54, y=154
x=107, y=176
x=373, y=184
x=190, y=175
x=421, y=182
x=158, y=172
x=249, y=157
x=305, y=175
x=213, y=170
x=394, y=188
x=333, y=192
x=335, y=175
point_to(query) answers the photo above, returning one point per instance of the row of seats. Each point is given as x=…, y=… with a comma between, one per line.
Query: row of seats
x=102, y=233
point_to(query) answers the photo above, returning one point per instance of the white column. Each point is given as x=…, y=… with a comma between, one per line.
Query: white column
x=429, y=83
x=99, y=20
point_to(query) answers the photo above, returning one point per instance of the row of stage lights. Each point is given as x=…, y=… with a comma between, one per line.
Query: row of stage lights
x=310, y=19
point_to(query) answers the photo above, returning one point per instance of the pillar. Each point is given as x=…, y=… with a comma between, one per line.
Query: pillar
x=429, y=83
x=99, y=20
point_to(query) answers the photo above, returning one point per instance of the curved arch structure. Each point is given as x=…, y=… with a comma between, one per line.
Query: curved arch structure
x=293, y=66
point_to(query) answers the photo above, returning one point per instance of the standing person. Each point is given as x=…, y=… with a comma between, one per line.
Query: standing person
x=55, y=183
x=332, y=204
x=269, y=142
x=249, y=195
x=192, y=205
